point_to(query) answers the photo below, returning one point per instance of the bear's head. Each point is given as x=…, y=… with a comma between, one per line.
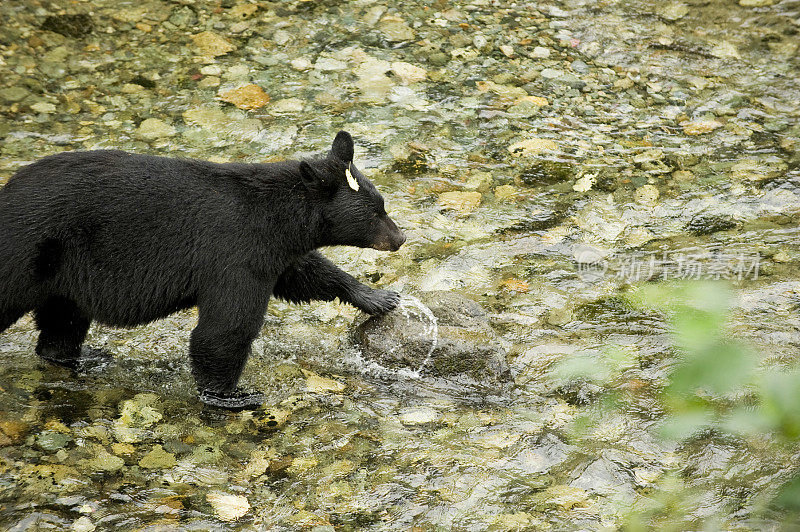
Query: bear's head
x=352, y=209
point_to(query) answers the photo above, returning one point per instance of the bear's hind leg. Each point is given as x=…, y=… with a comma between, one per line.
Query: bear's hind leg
x=220, y=344
x=62, y=330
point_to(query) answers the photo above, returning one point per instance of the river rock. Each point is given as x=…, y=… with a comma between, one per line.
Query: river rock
x=103, y=462
x=51, y=441
x=455, y=339
x=419, y=416
x=540, y=52
x=44, y=107
x=153, y=128
x=373, y=82
x=463, y=202
x=212, y=45
x=69, y=25
x=13, y=94
x=408, y=73
x=157, y=458
x=395, y=29
x=532, y=147
x=674, y=11
x=83, y=524
x=246, y=97
x=706, y=224
x=700, y=127
x=228, y=507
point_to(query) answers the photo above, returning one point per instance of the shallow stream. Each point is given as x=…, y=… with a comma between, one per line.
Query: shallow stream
x=543, y=158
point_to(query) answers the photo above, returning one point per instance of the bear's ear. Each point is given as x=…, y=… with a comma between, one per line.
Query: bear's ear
x=342, y=147
x=311, y=178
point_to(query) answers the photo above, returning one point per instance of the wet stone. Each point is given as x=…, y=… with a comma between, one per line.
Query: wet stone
x=394, y=28
x=532, y=147
x=411, y=157
x=13, y=94
x=545, y=172
x=211, y=44
x=183, y=17
x=228, y=507
x=674, y=11
x=153, y=128
x=52, y=441
x=247, y=97
x=104, y=462
x=419, y=416
x=157, y=458
x=462, y=202
x=706, y=224
x=83, y=524
x=74, y=25
x=456, y=340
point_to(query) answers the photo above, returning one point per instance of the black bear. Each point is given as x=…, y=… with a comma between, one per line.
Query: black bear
x=126, y=239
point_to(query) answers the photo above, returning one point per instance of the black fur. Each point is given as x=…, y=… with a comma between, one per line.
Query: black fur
x=126, y=239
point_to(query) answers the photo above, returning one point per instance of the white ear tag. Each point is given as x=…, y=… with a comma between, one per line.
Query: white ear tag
x=350, y=179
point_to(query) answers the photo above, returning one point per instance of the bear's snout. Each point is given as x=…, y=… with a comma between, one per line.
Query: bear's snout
x=391, y=242
x=396, y=240
x=391, y=237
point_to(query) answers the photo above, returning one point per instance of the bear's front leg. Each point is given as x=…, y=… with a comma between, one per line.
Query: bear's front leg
x=230, y=319
x=313, y=277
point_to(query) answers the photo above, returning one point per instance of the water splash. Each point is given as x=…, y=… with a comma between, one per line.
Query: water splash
x=431, y=325
x=413, y=310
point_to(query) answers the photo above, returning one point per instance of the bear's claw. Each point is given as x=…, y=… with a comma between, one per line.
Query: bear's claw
x=378, y=301
x=237, y=400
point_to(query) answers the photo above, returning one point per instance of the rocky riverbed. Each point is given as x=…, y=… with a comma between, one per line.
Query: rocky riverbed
x=544, y=158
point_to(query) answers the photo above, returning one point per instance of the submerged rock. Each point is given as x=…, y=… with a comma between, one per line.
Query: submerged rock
x=226, y=506
x=211, y=44
x=410, y=157
x=395, y=28
x=157, y=458
x=699, y=127
x=103, y=462
x=408, y=73
x=136, y=415
x=706, y=224
x=51, y=441
x=76, y=25
x=674, y=11
x=153, y=128
x=419, y=416
x=454, y=339
x=246, y=97
x=463, y=202
x=83, y=524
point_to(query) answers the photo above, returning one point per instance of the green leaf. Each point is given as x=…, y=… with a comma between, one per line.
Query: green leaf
x=746, y=421
x=717, y=370
x=682, y=426
x=581, y=366
x=780, y=402
x=789, y=496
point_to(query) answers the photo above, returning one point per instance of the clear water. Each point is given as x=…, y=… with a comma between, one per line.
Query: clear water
x=698, y=102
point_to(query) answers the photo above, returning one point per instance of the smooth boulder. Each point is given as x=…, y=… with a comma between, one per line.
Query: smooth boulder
x=449, y=336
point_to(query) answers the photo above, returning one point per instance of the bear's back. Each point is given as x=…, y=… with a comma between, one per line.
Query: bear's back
x=113, y=226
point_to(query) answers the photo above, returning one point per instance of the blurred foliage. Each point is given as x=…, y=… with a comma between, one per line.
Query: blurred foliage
x=715, y=387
